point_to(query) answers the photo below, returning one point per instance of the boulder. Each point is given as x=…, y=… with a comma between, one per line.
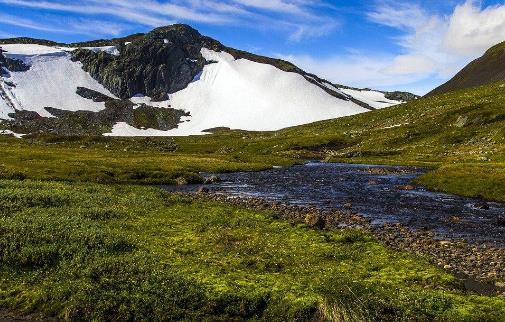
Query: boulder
x=212, y=180
x=314, y=220
x=202, y=190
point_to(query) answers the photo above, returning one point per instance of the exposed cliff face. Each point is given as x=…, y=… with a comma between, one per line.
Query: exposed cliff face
x=13, y=65
x=163, y=61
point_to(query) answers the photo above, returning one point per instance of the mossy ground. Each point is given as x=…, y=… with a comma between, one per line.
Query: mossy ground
x=462, y=132
x=103, y=160
x=115, y=252
x=75, y=249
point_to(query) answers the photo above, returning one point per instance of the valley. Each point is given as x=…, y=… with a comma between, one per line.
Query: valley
x=87, y=232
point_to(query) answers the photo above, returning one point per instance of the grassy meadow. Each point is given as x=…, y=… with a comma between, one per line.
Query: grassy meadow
x=83, y=237
x=82, y=251
x=462, y=134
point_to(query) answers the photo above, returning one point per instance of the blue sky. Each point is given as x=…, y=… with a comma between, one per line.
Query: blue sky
x=385, y=44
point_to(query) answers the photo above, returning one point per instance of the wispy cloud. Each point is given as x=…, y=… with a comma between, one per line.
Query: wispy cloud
x=69, y=26
x=26, y=23
x=295, y=17
x=441, y=44
x=433, y=46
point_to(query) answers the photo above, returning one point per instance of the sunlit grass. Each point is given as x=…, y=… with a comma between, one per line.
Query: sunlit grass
x=87, y=251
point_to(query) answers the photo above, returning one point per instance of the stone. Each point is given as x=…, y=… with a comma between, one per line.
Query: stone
x=314, y=220
x=203, y=190
x=212, y=180
x=481, y=205
x=181, y=181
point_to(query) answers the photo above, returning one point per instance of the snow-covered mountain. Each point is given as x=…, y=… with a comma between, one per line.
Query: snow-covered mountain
x=171, y=81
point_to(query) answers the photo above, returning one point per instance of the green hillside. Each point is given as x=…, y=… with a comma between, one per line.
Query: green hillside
x=487, y=69
x=68, y=245
x=460, y=134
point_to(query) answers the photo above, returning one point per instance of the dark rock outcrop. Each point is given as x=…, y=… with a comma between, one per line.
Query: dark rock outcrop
x=161, y=62
x=71, y=123
x=401, y=96
x=92, y=95
x=28, y=40
x=12, y=65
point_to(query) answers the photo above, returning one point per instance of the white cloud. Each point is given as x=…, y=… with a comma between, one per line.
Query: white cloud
x=410, y=64
x=433, y=47
x=472, y=29
x=439, y=44
x=294, y=17
x=358, y=70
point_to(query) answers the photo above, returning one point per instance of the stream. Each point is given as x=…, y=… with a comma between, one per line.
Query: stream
x=383, y=194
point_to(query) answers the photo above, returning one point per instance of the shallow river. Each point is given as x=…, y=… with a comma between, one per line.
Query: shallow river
x=380, y=193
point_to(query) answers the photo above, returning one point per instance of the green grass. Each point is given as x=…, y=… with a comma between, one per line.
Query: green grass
x=75, y=249
x=141, y=161
x=463, y=132
x=115, y=252
x=460, y=134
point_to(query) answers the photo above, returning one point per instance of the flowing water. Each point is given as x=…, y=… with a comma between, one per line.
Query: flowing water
x=380, y=193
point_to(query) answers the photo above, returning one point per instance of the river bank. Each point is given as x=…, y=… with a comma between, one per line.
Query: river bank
x=481, y=267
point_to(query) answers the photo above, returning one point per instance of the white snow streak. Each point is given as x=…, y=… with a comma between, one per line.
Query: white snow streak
x=124, y=129
x=373, y=98
x=9, y=132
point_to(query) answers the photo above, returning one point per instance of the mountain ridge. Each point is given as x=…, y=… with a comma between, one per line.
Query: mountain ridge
x=163, y=63
x=487, y=69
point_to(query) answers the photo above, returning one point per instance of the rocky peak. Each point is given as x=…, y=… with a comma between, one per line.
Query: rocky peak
x=156, y=64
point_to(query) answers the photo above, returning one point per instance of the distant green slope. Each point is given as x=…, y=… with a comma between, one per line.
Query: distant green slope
x=461, y=126
x=487, y=69
x=461, y=134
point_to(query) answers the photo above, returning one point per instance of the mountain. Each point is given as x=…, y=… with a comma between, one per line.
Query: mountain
x=170, y=81
x=487, y=69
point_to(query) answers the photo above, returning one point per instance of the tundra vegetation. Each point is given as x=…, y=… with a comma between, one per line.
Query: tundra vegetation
x=82, y=236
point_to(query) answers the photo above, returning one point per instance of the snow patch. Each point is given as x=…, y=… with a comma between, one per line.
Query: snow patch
x=51, y=81
x=28, y=50
x=5, y=108
x=242, y=94
x=9, y=132
x=373, y=98
x=124, y=129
